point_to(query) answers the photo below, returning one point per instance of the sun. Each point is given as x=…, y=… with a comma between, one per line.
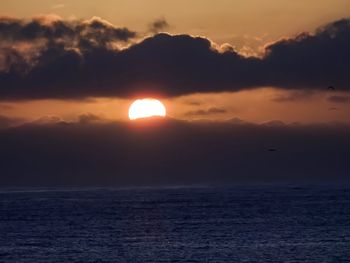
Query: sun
x=145, y=108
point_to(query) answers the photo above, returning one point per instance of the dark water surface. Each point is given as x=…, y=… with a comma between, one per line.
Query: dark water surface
x=237, y=224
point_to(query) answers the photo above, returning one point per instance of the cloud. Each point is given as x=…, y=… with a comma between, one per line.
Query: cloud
x=158, y=25
x=70, y=33
x=171, y=152
x=81, y=59
x=211, y=111
x=88, y=118
x=275, y=123
x=293, y=96
x=333, y=109
x=6, y=122
x=4, y=106
x=311, y=60
x=193, y=102
x=49, y=119
x=339, y=99
x=58, y=6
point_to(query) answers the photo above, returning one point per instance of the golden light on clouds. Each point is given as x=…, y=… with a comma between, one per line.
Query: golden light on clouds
x=234, y=22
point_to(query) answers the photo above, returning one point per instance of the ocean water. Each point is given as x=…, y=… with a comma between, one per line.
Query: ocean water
x=266, y=223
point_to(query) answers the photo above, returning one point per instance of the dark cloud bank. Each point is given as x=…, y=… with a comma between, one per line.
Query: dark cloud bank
x=6, y=122
x=74, y=59
x=94, y=152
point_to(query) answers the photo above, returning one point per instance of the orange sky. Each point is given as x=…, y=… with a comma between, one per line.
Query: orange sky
x=259, y=106
x=247, y=25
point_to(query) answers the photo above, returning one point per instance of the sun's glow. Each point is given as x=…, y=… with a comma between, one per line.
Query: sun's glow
x=145, y=108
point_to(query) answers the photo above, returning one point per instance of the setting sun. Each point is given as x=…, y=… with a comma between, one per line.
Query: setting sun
x=145, y=108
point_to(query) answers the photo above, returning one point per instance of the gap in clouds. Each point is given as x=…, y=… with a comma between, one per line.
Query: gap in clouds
x=256, y=106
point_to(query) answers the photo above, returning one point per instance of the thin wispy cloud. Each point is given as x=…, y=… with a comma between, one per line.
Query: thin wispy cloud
x=58, y=6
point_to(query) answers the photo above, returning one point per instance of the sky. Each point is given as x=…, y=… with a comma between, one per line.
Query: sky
x=231, y=21
x=238, y=78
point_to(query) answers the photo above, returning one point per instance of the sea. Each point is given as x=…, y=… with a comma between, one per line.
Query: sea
x=241, y=223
